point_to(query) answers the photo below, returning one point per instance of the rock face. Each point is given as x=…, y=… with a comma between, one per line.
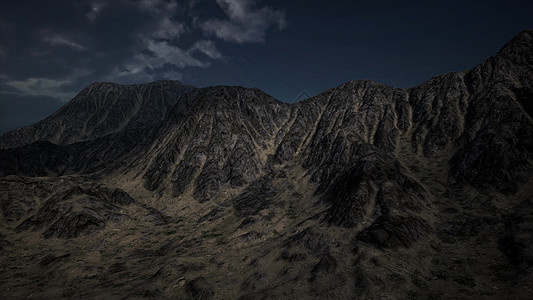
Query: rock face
x=75, y=211
x=321, y=198
x=497, y=143
x=376, y=186
x=100, y=109
x=222, y=139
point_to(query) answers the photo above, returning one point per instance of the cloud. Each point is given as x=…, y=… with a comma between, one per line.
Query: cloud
x=193, y=3
x=96, y=8
x=208, y=48
x=159, y=45
x=168, y=29
x=172, y=75
x=60, y=40
x=159, y=7
x=244, y=23
x=158, y=52
x=61, y=88
x=162, y=26
x=156, y=7
x=41, y=87
x=163, y=54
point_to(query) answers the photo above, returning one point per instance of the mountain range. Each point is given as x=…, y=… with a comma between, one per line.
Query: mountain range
x=163, y=190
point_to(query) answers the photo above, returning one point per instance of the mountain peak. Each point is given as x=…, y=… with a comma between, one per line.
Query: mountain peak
x=519, y=49
x=526, y=33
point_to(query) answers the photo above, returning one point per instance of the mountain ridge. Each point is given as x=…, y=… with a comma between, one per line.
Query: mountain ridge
x=364, y=190
x=524, y=38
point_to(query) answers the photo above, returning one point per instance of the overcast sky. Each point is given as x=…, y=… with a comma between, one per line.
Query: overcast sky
x=50, y=50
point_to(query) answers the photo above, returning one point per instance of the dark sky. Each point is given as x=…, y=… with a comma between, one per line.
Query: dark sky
x=50, y=50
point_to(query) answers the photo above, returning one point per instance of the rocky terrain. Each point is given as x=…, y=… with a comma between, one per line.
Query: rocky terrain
x=364, y=191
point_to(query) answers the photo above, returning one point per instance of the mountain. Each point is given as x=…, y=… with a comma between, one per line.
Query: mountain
x=100, y=109
x=364, y=191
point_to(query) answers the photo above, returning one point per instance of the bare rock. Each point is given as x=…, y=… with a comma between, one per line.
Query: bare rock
x=77, y=211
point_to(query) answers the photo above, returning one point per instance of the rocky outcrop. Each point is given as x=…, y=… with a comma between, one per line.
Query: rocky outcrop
x=376, y=185
x=222, y=140
x=497, y=145
x=77, y=211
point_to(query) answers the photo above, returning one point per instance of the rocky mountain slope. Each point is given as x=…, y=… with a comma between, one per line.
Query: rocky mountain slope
x=100, y=109
x=363, y=191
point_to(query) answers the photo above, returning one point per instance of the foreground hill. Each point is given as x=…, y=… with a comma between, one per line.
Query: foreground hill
x=364, y=191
